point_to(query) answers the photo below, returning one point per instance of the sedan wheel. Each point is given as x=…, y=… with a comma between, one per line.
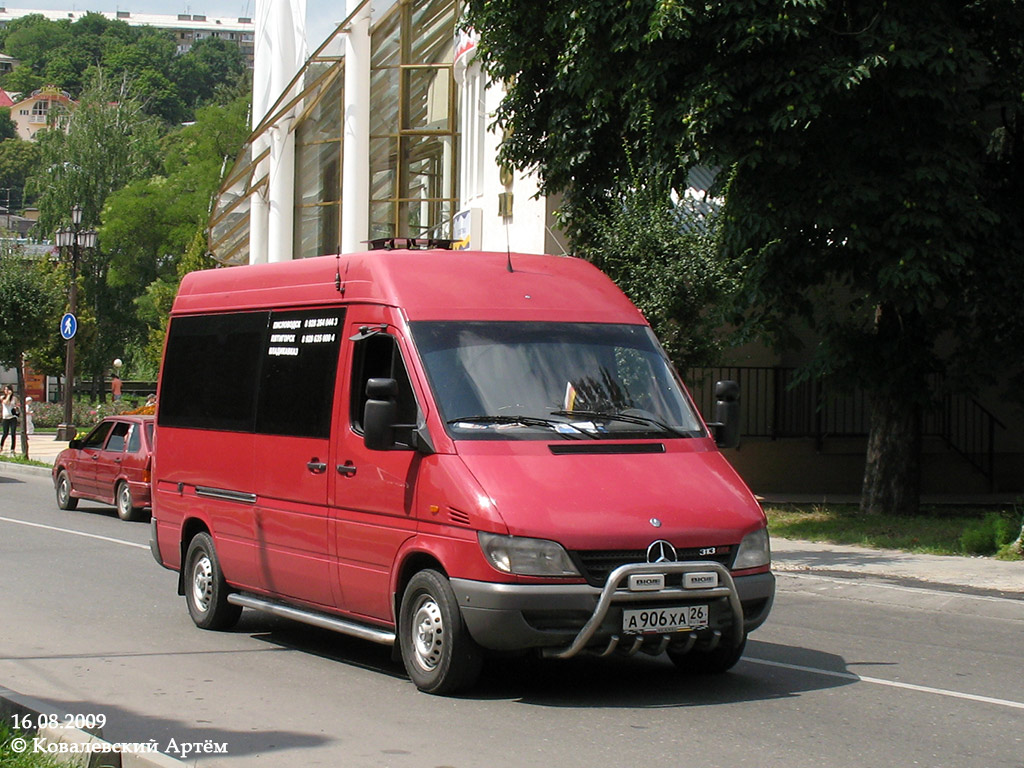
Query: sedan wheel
x=123, y=497
x=64, y=498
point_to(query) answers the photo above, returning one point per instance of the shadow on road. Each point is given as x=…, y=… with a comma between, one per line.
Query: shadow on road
x=639, y=682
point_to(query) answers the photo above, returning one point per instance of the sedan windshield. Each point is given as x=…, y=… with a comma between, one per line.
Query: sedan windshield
x=535, y=381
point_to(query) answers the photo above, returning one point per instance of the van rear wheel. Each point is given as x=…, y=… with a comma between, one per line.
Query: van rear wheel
x=206, y=592
x=438, y=652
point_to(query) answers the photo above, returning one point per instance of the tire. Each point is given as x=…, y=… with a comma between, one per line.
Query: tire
x=714, y=662
x=437, y=650
x=206, y=592
x=123, y=500
x=64, y=498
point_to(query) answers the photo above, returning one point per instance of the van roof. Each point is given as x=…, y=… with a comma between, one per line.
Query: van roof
x=425, y=284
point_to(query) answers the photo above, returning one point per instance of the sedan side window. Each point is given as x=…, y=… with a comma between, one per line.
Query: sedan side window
x=117, y=437
x=135, y=439
x=98, y=436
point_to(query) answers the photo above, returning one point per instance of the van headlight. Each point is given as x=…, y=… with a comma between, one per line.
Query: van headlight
x=526, y=557
x=754, y=551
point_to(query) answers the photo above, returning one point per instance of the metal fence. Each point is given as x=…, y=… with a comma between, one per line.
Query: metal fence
x=774, y=404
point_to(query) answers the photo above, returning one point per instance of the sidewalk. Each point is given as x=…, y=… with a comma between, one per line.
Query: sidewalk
x=41, y=447
x=974, y=575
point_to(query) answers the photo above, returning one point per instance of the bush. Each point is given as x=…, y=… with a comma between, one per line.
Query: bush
x=84, y=414
x=993, y=532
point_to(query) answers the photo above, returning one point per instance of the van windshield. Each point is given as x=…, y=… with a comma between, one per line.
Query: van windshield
x=536, y=381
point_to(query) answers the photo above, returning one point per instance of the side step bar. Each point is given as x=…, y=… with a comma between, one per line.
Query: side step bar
x=362, y=631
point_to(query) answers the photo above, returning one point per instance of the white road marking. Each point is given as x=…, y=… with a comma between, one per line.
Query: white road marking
x=76, y=533
x=889, y=683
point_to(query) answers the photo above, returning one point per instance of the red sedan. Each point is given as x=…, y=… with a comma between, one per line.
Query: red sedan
x=111, y=465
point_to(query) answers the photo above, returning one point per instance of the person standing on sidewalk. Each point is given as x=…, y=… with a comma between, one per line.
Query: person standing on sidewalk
x=9, y=404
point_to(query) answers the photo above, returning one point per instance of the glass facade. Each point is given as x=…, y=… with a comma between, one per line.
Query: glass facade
x=413, y=138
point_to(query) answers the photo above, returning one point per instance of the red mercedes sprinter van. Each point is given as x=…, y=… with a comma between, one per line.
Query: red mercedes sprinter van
x=456, y=453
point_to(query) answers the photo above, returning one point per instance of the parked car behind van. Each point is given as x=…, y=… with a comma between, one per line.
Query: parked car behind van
x=459, y=453
x=110, y=465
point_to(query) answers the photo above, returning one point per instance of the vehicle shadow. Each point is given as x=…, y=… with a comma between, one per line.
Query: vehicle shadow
x=767, y=671
x=105, y=510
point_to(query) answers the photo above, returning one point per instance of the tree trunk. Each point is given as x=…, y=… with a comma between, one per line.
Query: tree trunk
x=892, y=474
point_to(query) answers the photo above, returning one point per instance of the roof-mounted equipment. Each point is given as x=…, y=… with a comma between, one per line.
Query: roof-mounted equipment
x=410, y=243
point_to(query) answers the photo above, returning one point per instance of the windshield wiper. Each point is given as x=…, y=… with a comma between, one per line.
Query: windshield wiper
x=628, y=418
x=524, y=421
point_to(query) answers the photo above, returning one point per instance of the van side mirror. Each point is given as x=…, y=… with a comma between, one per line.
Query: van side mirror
x=380, y=413
x=726, y=427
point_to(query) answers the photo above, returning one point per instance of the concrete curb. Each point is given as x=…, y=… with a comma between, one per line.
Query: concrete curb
x=13, y=468
x=71, y=745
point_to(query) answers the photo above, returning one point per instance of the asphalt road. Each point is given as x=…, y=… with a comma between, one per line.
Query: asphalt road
x=845, y=673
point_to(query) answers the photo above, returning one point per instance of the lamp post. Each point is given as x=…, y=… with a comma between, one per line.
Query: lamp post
x=76, y=239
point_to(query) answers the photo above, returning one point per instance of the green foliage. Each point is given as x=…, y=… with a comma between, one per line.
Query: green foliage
x=71, y=55
x=9, y=758
x=8, y=130
x=18, y=159
x=30, y=301
x=663, y=255
x=990, y=534
x=945, y=530
x=109, y=142
x=873, y=161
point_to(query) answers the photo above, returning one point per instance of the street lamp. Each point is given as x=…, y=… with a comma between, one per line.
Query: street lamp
x=76, y=239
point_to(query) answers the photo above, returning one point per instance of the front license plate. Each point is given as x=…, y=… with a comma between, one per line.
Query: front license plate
x=659, y=620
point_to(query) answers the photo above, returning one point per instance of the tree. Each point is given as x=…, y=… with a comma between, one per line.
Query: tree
x=871, y=154
x=18, y=159
x=154, y=229
x=109, y=143
x=8, y=129
x=30, y=299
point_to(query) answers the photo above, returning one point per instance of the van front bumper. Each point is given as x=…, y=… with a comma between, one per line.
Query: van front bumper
x=567, y=619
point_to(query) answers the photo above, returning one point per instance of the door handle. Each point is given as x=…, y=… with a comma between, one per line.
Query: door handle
x=348, y=469
x=316, y=467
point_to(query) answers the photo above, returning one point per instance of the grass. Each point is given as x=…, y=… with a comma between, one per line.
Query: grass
x=19, y=459
x=9, y=758
x=939, y=530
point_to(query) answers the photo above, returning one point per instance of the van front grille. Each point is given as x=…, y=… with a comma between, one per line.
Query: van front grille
x=597, y=564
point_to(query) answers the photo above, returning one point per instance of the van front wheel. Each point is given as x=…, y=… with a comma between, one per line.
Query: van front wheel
x=206, y=592
x=438, y=652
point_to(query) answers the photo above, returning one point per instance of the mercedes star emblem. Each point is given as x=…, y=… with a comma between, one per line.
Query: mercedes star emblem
x=661, y=551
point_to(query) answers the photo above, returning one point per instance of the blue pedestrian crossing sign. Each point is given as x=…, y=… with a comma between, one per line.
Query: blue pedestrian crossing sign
x=68, y=326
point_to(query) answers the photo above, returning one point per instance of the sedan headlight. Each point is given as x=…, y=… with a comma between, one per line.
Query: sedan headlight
x=754, y=551
x=526, y=557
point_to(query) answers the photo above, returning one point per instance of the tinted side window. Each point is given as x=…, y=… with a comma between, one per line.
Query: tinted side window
x=375, y=357
x=297, y=387
x=212, y=370
x=117, y=437
x=98, y=436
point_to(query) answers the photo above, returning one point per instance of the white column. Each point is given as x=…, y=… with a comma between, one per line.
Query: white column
x=355, y=179
x=280, y=224
x=280, y=53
